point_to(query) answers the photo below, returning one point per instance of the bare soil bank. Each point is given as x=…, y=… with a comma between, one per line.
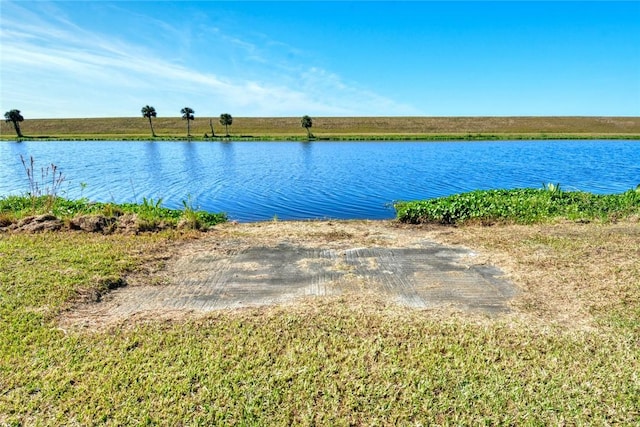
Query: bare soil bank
x=336, y=127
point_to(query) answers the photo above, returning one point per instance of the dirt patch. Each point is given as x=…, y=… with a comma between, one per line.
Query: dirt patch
x=258, y=264
x=559, y=274
x=36, y=224
x=95, y=223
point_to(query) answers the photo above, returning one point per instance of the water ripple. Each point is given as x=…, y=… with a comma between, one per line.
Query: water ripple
x=261, y=180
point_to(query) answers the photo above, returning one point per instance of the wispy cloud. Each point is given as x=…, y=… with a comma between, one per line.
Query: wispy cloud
x=50, y=61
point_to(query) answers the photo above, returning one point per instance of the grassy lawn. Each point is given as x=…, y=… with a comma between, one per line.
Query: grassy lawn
x=347, y=128
x=568, y=354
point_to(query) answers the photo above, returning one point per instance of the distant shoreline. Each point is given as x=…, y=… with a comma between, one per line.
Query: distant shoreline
x=372, y=138
x=330, y=129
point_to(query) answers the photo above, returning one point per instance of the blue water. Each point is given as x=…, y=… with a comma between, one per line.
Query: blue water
x=253, y=181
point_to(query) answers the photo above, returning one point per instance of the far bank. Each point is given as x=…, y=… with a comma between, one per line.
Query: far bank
x=332, y=128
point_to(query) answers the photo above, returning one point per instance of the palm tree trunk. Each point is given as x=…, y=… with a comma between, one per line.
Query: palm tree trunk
x=16, y=126
x=188, y=128
x=153, y=134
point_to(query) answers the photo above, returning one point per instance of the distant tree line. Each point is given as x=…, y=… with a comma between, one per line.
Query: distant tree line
x=187, y=114
x=149, y=112
x=226, y=120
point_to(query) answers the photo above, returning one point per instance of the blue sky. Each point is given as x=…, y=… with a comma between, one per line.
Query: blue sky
x=333, y=58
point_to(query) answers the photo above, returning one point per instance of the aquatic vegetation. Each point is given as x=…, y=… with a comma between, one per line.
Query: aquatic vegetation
x=523, y=206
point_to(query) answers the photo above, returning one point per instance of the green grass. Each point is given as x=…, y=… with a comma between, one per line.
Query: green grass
x=523, y=206
x=335, y=128
x=333, y=362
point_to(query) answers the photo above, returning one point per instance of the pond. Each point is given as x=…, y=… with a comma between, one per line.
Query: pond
x=253, y=181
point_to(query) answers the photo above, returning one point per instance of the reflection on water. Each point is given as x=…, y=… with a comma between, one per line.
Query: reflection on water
x=294, y=180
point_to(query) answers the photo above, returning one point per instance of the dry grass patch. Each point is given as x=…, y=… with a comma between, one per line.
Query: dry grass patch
x=524, y=127
x=568, y=272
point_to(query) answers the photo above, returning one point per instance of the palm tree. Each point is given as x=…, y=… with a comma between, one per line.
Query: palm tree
x=226, y=120
x=188, y=115
x=306, y=123
x=149, y=112
x=14, y=117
